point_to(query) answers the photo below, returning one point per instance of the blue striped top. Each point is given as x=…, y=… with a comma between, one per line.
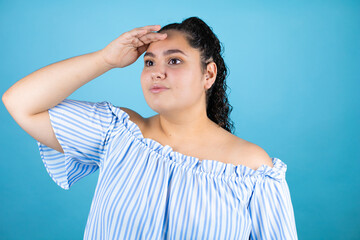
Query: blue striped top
x=148, y=191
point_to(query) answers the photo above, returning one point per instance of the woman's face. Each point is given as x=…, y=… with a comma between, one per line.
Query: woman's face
x=179, y=72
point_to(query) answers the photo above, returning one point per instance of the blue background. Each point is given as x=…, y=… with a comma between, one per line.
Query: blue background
x=294, y=84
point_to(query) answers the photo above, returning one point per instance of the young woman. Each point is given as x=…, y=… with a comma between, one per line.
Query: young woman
x=180, y=174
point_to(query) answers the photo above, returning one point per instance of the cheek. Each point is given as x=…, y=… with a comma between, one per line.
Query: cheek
x=145, y=80
x=188, y=89
x=142, y=83
x=143, y=75
x=191, y=79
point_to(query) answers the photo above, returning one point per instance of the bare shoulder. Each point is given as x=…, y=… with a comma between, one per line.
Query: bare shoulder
x=134, y=116
x=248, y=154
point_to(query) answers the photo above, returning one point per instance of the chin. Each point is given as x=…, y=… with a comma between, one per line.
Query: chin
x=161, y=108
x=157, y=107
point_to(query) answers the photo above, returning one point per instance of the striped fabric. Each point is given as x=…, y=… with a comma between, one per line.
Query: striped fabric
x=148, y=191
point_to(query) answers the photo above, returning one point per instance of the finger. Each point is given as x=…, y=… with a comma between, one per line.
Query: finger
x=138, y=32
x=147, y=39
x=136, y=42
x=142, y=49
x=151, y=27
x=158, y=27
x=152, y=37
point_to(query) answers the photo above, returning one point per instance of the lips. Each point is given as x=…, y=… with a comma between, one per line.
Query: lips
x=157, y=86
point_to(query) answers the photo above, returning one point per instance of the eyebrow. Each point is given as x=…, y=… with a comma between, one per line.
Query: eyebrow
x=167, y=52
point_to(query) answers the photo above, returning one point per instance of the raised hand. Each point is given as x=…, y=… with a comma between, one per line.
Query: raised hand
x=129, y=46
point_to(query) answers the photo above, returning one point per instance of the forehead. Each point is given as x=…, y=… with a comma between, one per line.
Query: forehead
x=174, y=40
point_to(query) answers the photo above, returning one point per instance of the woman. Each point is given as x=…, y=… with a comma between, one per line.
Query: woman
x=180, y=174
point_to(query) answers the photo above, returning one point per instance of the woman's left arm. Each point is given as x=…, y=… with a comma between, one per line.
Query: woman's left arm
x=271, y=210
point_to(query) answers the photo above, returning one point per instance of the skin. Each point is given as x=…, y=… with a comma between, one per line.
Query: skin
x=182, y=107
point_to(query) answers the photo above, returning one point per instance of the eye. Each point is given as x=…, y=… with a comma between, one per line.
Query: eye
x=175, y=59
x=147, y=62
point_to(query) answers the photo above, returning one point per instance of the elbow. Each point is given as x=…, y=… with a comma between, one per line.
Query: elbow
x=4, y=97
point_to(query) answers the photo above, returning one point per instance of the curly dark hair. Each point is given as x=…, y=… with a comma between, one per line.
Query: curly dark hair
x=200, y=36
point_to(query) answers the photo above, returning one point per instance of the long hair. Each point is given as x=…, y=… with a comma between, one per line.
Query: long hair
x=201, y=37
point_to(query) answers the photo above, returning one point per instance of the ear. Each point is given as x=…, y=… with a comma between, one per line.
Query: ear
x=210, y=75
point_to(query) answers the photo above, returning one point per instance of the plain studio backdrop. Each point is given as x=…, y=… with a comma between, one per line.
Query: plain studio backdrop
x=294, y=85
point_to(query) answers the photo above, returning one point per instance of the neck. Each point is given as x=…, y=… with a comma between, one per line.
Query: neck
x=189, y=124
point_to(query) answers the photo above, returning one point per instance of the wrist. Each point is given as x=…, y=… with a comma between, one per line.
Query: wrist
x=102, y=61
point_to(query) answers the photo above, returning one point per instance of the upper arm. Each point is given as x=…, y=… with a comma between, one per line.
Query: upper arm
x=72, y=137
x=40, y=128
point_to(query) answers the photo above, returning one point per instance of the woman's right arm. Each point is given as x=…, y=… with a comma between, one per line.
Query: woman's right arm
x=48, y=86
x=29, y=99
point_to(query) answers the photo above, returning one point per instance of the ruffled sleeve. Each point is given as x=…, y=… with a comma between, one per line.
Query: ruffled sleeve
x=270, y=205
x=82, y=129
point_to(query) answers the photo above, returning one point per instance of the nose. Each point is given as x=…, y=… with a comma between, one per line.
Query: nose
x=158, y=73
